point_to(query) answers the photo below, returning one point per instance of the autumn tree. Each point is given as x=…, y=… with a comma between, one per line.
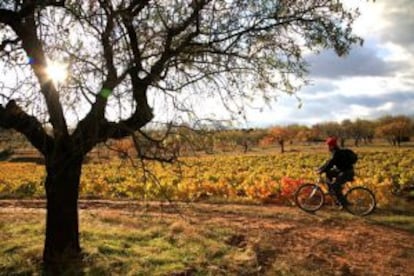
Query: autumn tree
x=252, y=137
x=186, y=140
x=295, y=131
x=394, y=129
x=278, y=135
x=128, y=60
x=231, y=139
x=308, y=134
x=359, y=130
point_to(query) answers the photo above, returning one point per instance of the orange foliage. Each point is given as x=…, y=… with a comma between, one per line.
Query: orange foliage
x=289, y=187
x=276, y=135
x=124, y=147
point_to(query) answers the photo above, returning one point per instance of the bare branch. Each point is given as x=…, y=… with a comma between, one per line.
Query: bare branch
x=26, y=32
x=12, y=116
x=7, y=42
x=158, y=67
x=7, y=17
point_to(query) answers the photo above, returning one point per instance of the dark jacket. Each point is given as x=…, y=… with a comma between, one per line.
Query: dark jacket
x=339, y=160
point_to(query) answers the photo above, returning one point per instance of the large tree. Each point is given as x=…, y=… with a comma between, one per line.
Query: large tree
x=122, y=55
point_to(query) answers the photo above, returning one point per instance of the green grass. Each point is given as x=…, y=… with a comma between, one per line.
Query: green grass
x=401, y=219
x=117, y=245
x=20, y=249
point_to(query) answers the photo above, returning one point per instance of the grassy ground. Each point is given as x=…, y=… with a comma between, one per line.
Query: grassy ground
x=126, y=238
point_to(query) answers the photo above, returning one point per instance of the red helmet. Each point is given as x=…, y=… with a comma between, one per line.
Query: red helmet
x=332, y=141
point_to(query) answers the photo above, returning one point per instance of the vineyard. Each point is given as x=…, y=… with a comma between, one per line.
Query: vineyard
x=251, y=178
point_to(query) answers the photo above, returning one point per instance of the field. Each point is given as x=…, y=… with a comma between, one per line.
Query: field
x=227, y=214
x=256, y=177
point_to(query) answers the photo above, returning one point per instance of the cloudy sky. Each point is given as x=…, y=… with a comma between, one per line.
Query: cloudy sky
x=373, y=80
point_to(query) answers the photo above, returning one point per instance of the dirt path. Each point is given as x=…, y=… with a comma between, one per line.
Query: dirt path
x=284, y=238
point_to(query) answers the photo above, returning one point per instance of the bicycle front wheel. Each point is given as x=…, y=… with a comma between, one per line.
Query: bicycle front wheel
x=360, y=201
x=309, y=197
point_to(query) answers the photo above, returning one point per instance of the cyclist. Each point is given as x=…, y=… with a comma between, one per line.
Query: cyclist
x=338, y=169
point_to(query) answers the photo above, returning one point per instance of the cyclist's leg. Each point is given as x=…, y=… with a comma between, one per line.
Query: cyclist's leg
x=337, y=186
x=331, y=175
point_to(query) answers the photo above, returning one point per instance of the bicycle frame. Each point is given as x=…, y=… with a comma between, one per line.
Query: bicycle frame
x=324, y=184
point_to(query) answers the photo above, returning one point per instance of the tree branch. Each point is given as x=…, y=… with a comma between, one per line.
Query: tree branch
x=158, y=66
x=6, y=42
x=27, y=33
x=12, y=116
x=127, y=21
x=7, y=17
x=108, y=52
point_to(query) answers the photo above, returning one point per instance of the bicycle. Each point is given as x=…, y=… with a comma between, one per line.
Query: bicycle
x=310, y=197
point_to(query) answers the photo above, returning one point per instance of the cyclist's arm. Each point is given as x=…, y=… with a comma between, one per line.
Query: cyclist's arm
x=328, y=164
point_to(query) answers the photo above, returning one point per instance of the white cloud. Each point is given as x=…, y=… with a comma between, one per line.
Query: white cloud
x=388, y=106
x=370, y=22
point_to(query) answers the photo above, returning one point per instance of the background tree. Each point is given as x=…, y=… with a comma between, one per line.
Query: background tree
x=395, y=129
x=227, y=140
x=253, y=136
x=278, y=135
x=293, y=130
x=308, y=134
x=361, y=130
x=230, y=140
x=327, y=129
x=347, y=131
x=128, y=60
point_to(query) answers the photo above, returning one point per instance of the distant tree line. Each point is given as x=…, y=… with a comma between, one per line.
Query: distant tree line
x=393, y=129
x=184, y=140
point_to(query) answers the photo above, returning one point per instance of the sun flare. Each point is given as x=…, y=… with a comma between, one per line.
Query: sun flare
x=57, y=71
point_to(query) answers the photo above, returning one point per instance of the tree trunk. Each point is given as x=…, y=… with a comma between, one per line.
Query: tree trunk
x=356, y=142
x=62, y=222
x=245, y=147
x=282, y=146
x=342, y=142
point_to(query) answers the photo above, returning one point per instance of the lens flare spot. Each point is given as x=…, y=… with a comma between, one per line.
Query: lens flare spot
x=57, y=71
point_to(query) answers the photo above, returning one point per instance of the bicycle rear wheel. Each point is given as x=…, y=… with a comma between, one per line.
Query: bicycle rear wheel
x=360, y=201
x=309, y=197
